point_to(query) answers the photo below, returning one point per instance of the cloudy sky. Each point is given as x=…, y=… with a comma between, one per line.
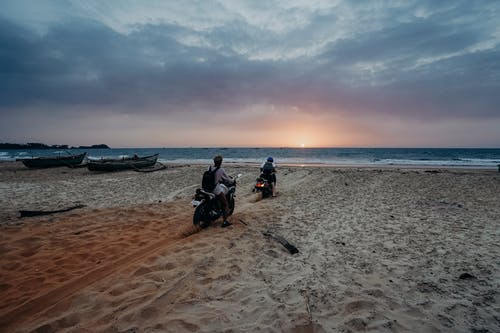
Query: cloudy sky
x=250, y=73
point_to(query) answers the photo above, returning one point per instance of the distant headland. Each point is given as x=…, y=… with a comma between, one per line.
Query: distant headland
x=37, y=145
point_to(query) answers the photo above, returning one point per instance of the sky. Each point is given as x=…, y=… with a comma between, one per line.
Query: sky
x=292, y=73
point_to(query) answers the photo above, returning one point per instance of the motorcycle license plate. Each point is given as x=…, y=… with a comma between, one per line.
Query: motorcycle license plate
x=195, y=203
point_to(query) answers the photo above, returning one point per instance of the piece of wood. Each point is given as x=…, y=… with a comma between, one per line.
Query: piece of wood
x=30, y=213
x=292, y=249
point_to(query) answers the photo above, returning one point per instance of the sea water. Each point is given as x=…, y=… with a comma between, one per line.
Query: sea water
x=466, y=157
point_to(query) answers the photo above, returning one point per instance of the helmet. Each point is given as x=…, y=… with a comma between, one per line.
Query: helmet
x=218, y=160
x=270, y=159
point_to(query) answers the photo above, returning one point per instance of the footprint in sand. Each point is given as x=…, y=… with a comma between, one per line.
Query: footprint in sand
x=169, y=266
x=30, y=252
x=358, y=324
x=142, y=271
x=4, y=286
x=375, y=293
x=308, y=328
x=11, y=266
x=31, y=284
x=358, y=306
x=148, y=313
x=178, y=325
x=68, y=321
x=206, y=281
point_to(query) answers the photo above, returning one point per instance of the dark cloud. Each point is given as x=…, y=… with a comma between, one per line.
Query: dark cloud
x=88, y=63
x=408, y=66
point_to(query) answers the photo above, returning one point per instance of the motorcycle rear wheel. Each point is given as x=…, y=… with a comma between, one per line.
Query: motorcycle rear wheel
x=200, y=216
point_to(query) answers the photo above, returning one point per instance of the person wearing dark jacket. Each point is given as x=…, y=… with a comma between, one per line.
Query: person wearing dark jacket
x=268, y=171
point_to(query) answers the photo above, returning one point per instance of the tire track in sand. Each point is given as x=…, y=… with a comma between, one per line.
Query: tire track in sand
x=45, y=301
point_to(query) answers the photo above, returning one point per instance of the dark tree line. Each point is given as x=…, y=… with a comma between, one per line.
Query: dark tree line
x=37, y=145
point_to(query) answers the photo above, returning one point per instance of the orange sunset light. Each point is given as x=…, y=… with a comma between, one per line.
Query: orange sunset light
x=312, y=133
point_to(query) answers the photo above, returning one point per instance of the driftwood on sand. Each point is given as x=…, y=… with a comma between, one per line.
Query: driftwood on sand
x=30, y=213
x=292, y=249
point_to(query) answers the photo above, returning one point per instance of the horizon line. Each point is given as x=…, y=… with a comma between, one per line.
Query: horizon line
x=262, y=147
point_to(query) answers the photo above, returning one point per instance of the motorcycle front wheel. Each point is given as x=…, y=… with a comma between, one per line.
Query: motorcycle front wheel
x=230, y=203
x=200, y=216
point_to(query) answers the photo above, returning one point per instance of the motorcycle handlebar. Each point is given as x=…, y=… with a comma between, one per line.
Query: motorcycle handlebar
x=237, y=177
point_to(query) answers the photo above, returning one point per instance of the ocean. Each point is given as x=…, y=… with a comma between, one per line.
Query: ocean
x=466, y=157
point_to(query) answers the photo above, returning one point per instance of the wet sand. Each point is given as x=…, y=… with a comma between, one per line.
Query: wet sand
x=383, y=250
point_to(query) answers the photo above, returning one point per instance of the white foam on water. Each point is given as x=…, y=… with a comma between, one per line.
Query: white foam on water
x=455, y=162
x=345, y=161
x=339, y=157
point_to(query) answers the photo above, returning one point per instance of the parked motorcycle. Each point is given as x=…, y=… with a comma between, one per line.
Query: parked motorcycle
x=263, y=185
x=209, y=208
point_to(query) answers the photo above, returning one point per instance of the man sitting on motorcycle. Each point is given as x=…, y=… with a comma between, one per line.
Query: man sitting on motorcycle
x=222, y=180
x=268, y=171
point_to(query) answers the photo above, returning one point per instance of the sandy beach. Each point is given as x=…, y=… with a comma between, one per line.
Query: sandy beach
x=381, y=250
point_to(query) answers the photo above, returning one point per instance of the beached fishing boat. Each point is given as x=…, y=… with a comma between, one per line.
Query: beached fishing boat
x=53, y=161
x=124, y=163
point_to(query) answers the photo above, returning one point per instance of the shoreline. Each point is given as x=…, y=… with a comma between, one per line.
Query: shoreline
x=482, y=158
x=321, y=165
x=375, y=166
x=327, y=165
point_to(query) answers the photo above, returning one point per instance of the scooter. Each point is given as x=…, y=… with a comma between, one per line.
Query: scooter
x=263, y=185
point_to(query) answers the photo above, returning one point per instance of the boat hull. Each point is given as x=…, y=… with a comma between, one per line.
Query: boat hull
x=51, y=162
x=122, y=164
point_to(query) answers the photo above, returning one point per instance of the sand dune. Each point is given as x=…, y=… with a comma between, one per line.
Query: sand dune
x=380, y=250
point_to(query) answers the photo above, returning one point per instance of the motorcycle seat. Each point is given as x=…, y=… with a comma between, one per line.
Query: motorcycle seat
x=209, y=194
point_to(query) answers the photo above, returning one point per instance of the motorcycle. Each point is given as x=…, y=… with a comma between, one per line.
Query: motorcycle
x=263, y=185
x=208, y=208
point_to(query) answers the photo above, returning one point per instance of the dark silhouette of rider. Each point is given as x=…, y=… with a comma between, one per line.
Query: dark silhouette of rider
x=268, y=171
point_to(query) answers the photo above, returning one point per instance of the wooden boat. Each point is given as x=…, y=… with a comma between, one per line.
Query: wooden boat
x=125, y=163
x=53, y=161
